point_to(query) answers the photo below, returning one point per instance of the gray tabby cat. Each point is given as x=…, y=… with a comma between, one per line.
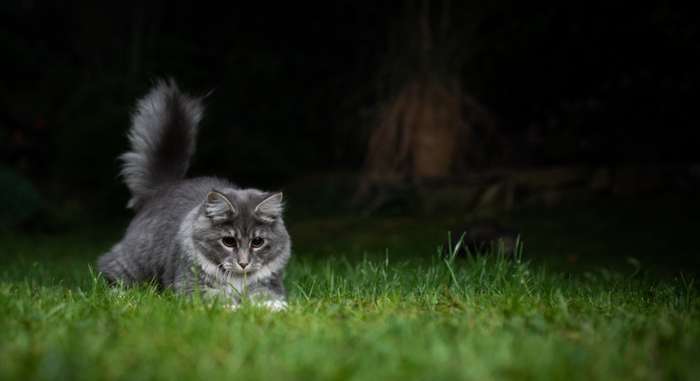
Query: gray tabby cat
x=193, y=234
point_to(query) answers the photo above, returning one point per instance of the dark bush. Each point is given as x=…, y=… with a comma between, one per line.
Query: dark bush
x=20, y=200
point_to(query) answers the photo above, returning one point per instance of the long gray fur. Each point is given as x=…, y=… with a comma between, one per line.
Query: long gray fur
x=162, y=137
x=180, y=233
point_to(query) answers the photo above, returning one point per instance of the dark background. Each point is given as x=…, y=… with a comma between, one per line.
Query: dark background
x=297, y=89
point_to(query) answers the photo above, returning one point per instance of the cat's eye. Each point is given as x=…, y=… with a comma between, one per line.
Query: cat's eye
x=228, y=241
x=257, y=242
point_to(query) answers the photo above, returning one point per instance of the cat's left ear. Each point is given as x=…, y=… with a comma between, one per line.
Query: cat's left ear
x=270, y=208
x=218, y=207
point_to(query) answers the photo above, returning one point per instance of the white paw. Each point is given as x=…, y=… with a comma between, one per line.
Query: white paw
x=274, y=305
x=118, y=292
x=271, y=305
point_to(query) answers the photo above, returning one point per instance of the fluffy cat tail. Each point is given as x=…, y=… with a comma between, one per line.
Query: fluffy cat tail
x=162, y=137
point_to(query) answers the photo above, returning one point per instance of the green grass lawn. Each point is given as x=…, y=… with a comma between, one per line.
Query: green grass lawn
x=356, y=312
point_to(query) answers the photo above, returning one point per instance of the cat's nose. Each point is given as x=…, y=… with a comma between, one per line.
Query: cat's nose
x=243, y=264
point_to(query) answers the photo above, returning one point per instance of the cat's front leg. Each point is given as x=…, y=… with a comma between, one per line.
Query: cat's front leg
x=268, y=299
x=222, y=295
x=274, y=305
x=269, y=294
x=260, y=296
x=260, y=301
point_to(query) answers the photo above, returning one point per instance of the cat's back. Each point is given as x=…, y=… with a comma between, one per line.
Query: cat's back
x=148, y=247
x=164, y=212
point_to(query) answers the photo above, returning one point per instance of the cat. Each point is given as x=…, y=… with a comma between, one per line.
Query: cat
x=192, y=235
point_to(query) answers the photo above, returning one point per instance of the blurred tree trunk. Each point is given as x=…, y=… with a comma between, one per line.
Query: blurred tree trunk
x=417, y=132
x=421, y=131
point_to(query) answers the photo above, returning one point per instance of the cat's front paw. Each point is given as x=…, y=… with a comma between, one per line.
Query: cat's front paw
x=271, y=305
x=274, y=305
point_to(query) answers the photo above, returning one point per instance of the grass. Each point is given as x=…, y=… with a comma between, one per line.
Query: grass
x=353, y=315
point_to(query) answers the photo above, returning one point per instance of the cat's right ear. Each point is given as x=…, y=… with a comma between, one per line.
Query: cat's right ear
x=218, y=208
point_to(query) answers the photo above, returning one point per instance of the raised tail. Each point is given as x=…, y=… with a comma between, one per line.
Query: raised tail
x=162, y=136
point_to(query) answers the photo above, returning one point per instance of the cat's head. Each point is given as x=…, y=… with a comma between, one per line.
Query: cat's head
x=242, y=230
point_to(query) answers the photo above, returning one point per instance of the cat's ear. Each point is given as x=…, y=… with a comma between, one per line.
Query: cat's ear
x=270, y=208
x=218, y=207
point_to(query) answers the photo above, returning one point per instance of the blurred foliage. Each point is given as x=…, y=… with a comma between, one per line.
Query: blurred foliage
x=19, y=200
x=295, y=89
